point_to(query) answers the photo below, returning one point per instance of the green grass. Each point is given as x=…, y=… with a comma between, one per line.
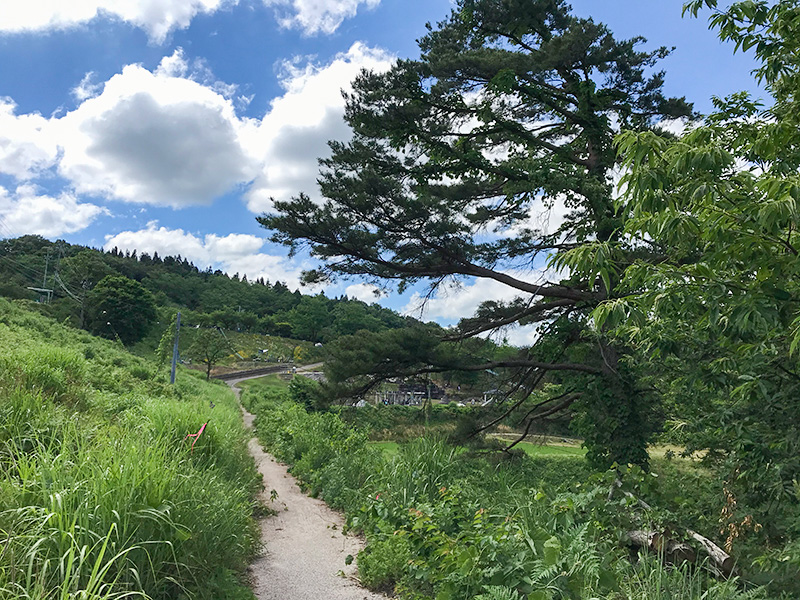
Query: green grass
x=268, y=382
x=532, y=449
x=388, y=448
x=100, y=492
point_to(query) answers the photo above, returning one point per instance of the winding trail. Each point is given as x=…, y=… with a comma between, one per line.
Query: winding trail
x=305, y=548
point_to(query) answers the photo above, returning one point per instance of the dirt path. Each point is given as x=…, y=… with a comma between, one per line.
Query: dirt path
x=305, y=549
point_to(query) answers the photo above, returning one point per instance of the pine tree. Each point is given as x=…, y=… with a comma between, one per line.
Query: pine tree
x=511, y=106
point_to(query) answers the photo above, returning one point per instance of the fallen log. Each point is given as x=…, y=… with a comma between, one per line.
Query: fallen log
x=670, y=550
x=675, y=552
x=718, y=558
x=720, y=563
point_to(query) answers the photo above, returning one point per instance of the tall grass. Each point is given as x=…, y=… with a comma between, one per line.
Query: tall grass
x=446, y=524
x=100, y=496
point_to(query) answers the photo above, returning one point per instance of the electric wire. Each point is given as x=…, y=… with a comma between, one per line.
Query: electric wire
x=58, y=279
x=21, y=268
x=5, y=229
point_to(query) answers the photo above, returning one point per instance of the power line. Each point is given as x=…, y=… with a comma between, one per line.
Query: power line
x=57, y=277
x=31, y=271
x=5, y=228
x=229, y=343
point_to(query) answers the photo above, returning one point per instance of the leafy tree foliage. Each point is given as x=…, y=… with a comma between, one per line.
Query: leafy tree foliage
x=121, y=307
x=82, y=272
x=717, y=320
x=208, y=347
x=310, y=317
x=511, y=107
x=212, y=298
x=306, y=391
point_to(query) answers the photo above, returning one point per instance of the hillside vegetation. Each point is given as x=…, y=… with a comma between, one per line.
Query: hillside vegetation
x=101, y=494
x=207, y=297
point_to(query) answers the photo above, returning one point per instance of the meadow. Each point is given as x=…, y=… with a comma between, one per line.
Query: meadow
x=447, y=522
x=101, y=493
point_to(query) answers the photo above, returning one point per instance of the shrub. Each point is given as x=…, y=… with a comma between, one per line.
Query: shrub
x=384, y=563
x=447, y=524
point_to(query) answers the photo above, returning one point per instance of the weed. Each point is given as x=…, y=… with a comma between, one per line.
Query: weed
x=99, y=499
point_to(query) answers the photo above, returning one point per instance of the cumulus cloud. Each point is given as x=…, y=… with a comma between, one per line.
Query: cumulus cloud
x=233, y=253
x=157, y=17
x=455, y=300
x=26, y=212
x=317, y=16
x=87, y=88
x=160, y=17
x=156, y=138
x=295, y=131
x=27, y=145
x=365, y=292
x=172, y=137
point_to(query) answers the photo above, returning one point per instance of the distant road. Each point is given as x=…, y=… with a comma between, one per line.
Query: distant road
x=260, y=372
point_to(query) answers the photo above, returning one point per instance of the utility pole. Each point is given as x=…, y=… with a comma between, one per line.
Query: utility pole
x=46, y=263
x=46, y=293
x=175, y=348
x=84, y=288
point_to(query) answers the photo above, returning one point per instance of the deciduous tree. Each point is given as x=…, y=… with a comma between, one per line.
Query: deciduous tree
x=721, y=312
x=208, y=347
x=121, y=307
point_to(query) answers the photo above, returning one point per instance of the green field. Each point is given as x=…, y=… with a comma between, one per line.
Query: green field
x=531, y=449
x=268, y=382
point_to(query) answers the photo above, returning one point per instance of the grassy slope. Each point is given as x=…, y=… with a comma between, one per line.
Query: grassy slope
x=99, y=491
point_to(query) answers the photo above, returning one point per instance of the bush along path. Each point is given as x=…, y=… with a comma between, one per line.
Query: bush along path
x=447, y=523
x=306, y=550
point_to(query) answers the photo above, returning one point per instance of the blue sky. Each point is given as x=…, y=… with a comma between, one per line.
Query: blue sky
x=167, y=124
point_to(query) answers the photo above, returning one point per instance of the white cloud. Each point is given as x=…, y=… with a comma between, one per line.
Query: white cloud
x=171, y=136
x=232, y=247
x=317, y=16
x=295, y=132
x=233, y=253
x=27, y=146
x=543, y=217
x=521, y=336
x=160, y=17
x=86, y=88
x=454, y=301
x=157, y=17
x=676, y=127
x=155, y=138
x=457, y=300
x=26, y=212
x=365, y=292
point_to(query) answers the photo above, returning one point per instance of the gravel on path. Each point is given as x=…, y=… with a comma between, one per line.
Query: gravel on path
x=305, y=548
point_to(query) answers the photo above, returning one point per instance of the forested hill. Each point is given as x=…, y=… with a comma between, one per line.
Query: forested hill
x=208, y=297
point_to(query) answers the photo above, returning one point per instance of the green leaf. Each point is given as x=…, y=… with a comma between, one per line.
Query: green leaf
x=552, y=551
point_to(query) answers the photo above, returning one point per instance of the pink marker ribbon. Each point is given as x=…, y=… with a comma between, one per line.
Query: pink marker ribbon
x=196, y=436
